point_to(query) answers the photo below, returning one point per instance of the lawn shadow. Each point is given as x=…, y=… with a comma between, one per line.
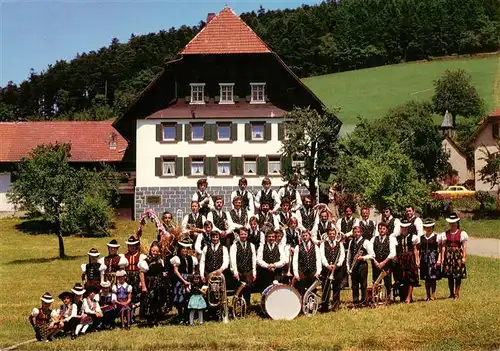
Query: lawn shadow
x=36, y=227
x=45, y=260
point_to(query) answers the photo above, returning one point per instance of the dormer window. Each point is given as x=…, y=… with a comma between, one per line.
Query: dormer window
x=197, y=93
x=258, y=93
x=226, y=93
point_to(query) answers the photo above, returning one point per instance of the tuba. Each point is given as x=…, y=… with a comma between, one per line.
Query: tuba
x=217, y=294
x=239, y=306
x=311, y=301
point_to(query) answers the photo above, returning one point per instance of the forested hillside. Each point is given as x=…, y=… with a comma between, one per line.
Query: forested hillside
x=331, y=37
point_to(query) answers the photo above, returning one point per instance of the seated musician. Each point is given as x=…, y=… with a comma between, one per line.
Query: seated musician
x=332, y=257
x=283, y=215
x=192, y=223
x=113, y=262
x=204, y=239
x=359, y=252
x=322, y=226
x=244, y=262
x=255, y=235
x=384, y=249
x=219, y=218
x=214, y=258
x=265, y=217
x=306, y=263
x=306, y=216
x=269, y=258
x=238, y=218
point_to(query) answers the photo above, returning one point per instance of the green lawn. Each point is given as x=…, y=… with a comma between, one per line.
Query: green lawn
x=29, y=267
x=369, y=93
x=485, y=228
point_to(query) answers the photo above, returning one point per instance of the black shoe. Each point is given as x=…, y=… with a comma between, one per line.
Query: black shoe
x=73, y=336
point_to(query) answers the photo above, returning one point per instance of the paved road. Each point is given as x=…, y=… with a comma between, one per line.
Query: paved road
x=484, y=247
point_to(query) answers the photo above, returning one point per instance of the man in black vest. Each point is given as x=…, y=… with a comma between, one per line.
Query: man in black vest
x=393, y=224
x=214, y=258
x=244, y=262
x=321, y=228
x=192, y=223
x=290, y=192
x=283, y=215
x=367, y=225
x=237, y=218
x=306, y=215
x=247, y=202
x=204, y=199
x=255, y=235
x=269, y=258
x=267, y=195
x=332, y=258
x=345, y=225
x=306, y=263
x=384, y=249
x=266, y=219
x=360, y=251
x=219, y=218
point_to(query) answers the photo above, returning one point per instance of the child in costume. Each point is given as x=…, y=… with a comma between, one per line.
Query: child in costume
x=40, y=319
x=123, y=293
x=196, y=302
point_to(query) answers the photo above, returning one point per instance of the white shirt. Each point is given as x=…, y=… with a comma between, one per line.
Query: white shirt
x=210, y=217
x=264, y=264
x=233, y=251
x=397, y=226
x=97, y=297
x=296, y=255
x=367, y=245
x=277, y=219
x=122, y=263
x=243, y=194
x=184, y=224
x=89, y=309
x=298, y=198
x=274, y=194
x=225, y=258
x=419, y=225
x=176, y=261
x=415, y=239
x=208, y=200
x=463, y=237
x=232, y=225
x=355, y=223
x=67, y=314
x=298, y=214
x=392, y=245
x=198, y=242
x=341, y=259
x=319, y=224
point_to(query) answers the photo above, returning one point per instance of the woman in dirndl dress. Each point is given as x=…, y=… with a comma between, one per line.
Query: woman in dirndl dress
x=454, y=253
x=152, y=285
x=407, y=260
x=184, y=268
x=430, y=261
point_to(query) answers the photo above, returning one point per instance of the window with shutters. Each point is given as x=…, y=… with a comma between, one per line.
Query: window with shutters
x=226, y=93
x=257, y=132
x=197, y=166
x=197, y=93
x=250, y=166
x=168, y=167
x=274, y=165
x=223, y=166
x=258, y=93
x=168, y=132
x=197, y=132
x=223, y=132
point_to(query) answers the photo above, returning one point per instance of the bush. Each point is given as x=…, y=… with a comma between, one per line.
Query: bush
x=486, y=200
x=95, y=216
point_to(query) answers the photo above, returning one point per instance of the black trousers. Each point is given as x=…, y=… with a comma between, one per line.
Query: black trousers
x=387, y=280
x=359, y=280
x=331, y=288
x=306, y=279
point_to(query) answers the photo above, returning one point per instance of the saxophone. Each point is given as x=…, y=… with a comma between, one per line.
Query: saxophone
x=217, y=294
x=239, y=306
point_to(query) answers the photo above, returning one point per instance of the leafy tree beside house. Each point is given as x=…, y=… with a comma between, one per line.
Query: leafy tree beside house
x=490, y=173
x=72, y=200
x=311, y=139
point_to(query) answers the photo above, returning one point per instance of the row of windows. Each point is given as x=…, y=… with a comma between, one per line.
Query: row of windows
x=257, y=131
x=172, y=166
x=257, y=93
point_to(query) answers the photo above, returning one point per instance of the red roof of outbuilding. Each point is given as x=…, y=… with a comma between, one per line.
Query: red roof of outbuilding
x=226, y=33
x=90, y=140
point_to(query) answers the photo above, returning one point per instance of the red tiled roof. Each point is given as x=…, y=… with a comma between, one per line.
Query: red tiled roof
x=226, y=33
x=90, y=140
x=181, y=110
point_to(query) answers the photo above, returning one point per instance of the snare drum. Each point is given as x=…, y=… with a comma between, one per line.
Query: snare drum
x=280, y=301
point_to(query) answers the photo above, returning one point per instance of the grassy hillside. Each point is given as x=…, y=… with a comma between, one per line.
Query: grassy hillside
x=369, y=93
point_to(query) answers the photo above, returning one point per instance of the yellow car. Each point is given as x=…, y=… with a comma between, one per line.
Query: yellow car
x=455, y=191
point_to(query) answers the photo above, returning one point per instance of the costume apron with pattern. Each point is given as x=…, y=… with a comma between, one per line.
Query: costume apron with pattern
x=406, y=271
x=153, y=301
x=112, y=266
x=453, y=255
x=186, y=270
x=197, y=301
x=429, y=254
x=42, y=324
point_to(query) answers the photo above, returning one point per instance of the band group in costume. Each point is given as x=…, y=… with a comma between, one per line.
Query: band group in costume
x=275, y=243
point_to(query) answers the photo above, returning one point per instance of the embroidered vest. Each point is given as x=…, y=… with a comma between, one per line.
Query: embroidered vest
x=307, y=259
x=243, y=257
x=381, y=249
x=428, y=244
x=346, y=224
x=111, y=263
x=202, y=197
x=92, y=271
x=355, y=246
x=291, y=194
x=367, y=229
x=271, y=255
x=331, y=253
x=390, y=225
x=245, y=200
x=265, y=218
x=241, y=219
x=267, y=198
x=453, y=240
x=405, y=244
x=186, y=265
x=323, y=228
x=308, y=218
x=198, y=223
x=283, y=218
x=133, y=260
x=43, y=316
x=220, y=221
x=213, y=259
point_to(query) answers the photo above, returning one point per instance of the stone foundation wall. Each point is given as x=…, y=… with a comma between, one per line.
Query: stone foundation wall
x=173, y=199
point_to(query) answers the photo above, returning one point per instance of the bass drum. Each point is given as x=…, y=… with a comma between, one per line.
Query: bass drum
x=280, y=301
